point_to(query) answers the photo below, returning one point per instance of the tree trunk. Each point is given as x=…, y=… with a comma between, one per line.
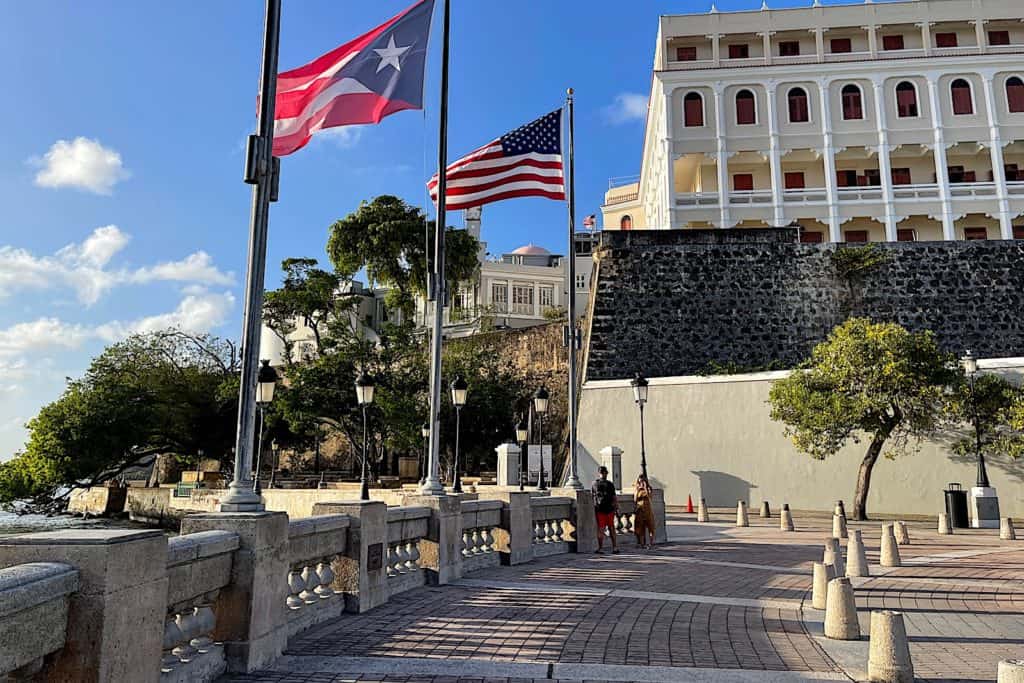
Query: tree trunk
x=860, y=496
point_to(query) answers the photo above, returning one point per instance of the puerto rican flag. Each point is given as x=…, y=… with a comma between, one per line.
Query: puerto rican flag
x=361, y=82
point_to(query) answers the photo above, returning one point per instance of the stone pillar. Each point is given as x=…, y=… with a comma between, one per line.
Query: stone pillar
x=611, y=457
x=252, y=617
x=766, y=37
x=998, y=164
x=775, y=155
x=115, y=622
x=517, y=526
x=660, y=516
x=819, y=42
x=926, y=36
x=441, y=550
x=884, y=163
x=722, y=156
x=984, y=505
x=670, y=176
x=583, y=519
x=360, y=573
x=872, y=40
x=941, y=164
x=979, y=33
x=716, y=48
x=828, y=156
x=509, y=455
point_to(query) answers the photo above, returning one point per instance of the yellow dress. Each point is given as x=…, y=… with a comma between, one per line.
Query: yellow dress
x=644, y=515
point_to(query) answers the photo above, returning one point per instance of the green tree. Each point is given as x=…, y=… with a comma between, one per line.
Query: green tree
x=990, y=414
x=387, y=237
x=163, y=392
x=875, y=381
x=308, y=295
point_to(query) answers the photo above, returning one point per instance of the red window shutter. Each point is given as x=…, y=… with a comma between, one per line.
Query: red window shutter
x=1018, y=232
x=846, y=178
x=789, y=48
x=742, y=182
x=906, y=102
x=739, y=51
x=841, y=45
x=945, y=40
x=745, y=112
x=894, y=42
x=812, y=236
x=686, y=54
x=1015, y=95
x=962, y=98
x=1012, y=172
x=798, y=110
x=852, y=106
x=906, y=235
x=972, y=234
x=998, y=37
x=795, y=180
x=693, y=111
x=956, y=174
x=873, y=177
x=856, y=235
x=970, y=177
x=901, y=176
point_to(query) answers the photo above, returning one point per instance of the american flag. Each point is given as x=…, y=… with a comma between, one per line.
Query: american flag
x=524, y=163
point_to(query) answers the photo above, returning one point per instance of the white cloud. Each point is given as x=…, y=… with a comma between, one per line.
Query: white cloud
x=195, y=313
x=628, y=107
x=43, y=334
x=81, y=163
x=83, y=267
x=345, y=137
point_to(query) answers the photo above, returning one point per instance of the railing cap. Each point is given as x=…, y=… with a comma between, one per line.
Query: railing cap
x=190, y=547
x=27, y=585
x=398, y=514
x=315, y=525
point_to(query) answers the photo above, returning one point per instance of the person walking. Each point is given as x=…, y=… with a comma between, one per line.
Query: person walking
x=606, y=506
x=643, y=517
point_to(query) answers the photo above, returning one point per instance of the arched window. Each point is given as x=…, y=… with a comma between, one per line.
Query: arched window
x=693, y=110
x=963, y=103
x=746, y=109
x=626, y=223
x=799, y=112
x=853, y=103
x=906, y=100
x=1015, y=94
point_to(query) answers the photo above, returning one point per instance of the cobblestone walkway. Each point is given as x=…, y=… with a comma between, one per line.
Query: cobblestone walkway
x=715, y=604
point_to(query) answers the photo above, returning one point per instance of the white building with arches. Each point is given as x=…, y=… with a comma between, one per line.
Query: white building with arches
x=867, y=122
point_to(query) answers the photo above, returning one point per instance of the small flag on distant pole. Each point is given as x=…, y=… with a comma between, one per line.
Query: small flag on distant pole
x=590, y=222
x=361, y=82
x=524, y=163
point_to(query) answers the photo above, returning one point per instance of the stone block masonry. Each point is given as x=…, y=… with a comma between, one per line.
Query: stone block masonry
x=685, y=301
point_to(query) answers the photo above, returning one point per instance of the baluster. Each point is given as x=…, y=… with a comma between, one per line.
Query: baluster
x=400, y=558
x=558, y=531
x=206, y=622
x=488, y=539
x=325, y=573
x=477, y=542
x=187, y=625
x=548, y=532
x=413, y=563
x=466, y=540
x=310, y=581
x=295, y=586
x=390, y=561
x=538, y=533
x=172, y=638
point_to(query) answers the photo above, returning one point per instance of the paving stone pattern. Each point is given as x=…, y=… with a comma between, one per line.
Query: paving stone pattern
x=699, y=601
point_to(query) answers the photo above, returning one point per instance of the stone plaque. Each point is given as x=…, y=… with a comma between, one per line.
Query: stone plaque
x=374, y=557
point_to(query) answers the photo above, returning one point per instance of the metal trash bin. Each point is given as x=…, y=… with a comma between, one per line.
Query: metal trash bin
x=956, y=506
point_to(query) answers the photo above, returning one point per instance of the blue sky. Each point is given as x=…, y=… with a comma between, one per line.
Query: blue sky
x=121, y=157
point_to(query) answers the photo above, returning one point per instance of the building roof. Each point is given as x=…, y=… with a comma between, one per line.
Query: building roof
x=531, y=250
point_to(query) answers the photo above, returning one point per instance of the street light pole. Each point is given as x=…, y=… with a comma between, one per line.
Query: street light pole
x=522, y=436
x=970, y=366
x=273, y=466
x=540, y=406
x=425, y=433
x=364, y=396
x=459, y=391
x=640, y=385
x=266, y=381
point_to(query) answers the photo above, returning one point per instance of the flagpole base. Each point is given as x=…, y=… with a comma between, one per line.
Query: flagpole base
x=575, y=483
x=432, y=487
x=241, y=498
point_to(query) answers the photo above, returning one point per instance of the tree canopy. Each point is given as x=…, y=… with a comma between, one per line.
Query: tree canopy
x=993, y=406
x=867, y=380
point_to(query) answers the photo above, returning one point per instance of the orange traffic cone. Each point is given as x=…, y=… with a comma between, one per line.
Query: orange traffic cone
x=689, y=505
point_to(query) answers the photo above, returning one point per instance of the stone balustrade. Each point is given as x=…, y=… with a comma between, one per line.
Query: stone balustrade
x=314, y=544
x=33, y=614
x=625, y=519
x=407, y=526
x=198, y=567
x=227, y=594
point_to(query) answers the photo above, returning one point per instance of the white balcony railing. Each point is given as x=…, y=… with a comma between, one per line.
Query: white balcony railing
x=870, y=193
x=1015, y=187
x=972, y=190
x=692, y=199
x=807, y=195
x=751, y=197
x=838, y=57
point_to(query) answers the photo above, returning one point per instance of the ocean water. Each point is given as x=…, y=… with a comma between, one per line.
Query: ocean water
x=24, y=524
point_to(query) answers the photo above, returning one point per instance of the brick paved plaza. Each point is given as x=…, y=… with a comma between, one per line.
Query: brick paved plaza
x=715, y=604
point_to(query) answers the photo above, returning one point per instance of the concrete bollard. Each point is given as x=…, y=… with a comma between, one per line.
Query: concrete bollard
x=856, y=556
x=1006, y=530
x=823, y=573
x=834, y=556
x=766, y=512
x=839, y=526
x=1011, y=671
x=841, y=611
x=890, y=551
x=902, y=534
x=786, y=518
x=889, y=653
x=702, y=511
x=741, y=514
x=945, y=528
x=840, y=509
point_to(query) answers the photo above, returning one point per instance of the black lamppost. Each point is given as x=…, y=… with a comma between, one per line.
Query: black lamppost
x=459, y=391
x=199, y=468
x=970, y=365
x=639, y=384
x=275, y=451
x=364, y=396
x=425, y=433
x=522, y=435
x=540, y=406
x=266, y=381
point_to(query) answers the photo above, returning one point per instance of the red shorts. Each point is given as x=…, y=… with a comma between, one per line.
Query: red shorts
x=605, y=519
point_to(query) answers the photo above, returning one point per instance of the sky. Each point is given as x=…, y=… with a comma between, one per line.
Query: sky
x=122, y=154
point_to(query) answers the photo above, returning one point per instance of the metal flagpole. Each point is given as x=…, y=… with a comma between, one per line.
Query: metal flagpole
x=432, y=485
x=261, y=171
x=574, y=478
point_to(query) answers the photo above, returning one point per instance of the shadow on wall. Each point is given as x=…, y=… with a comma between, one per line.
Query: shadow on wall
x=723, y=490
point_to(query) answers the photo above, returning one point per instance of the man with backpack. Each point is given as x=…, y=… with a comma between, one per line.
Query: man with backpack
x=606, y=507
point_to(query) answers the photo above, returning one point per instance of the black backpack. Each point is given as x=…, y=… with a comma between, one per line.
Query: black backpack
x=604, y=496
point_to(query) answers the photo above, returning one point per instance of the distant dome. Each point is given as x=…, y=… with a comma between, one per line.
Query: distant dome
x=531, y=250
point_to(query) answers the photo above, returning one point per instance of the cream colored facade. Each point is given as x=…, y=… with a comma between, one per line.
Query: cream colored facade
x=889, y=121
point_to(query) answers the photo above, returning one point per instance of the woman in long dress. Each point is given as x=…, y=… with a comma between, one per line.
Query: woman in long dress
x=643, y=519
